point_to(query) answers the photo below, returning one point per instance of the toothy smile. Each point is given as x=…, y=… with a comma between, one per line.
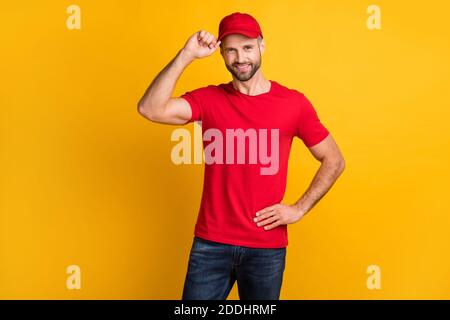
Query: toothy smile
x=243, y=67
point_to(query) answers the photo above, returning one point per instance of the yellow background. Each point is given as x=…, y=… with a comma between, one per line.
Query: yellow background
x=86, y=180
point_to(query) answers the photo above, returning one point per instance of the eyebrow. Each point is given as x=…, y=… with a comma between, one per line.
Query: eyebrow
x=245, y=45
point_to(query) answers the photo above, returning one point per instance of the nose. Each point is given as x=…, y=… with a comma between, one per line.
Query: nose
x=240, y=57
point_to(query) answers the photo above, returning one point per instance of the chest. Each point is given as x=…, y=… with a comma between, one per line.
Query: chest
x=252, y=114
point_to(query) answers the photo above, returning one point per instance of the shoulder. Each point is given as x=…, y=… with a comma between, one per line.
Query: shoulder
x=299, y=99
x=290, y=93
x=207, y=90
x=284, y=90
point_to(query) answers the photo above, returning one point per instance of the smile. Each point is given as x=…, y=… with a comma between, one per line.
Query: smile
x=243, y=67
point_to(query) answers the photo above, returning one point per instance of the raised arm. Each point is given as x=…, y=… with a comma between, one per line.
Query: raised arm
x=157, y=103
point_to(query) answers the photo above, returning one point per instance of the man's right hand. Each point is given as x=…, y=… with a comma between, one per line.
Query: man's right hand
x=201, y=44
x=157, y=103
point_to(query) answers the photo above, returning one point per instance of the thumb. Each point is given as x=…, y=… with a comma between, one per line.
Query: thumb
x=216, y=46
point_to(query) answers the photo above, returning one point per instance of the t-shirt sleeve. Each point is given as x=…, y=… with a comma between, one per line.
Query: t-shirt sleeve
x=197, y=100
x=309, y=127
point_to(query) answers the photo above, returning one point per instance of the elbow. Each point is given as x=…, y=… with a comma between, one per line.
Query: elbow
x=140, y=109
x=144, y=111
x=340, y=164
x=151, y=111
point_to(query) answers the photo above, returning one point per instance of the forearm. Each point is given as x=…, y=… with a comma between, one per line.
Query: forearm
x=323, y=180
x=161, y=89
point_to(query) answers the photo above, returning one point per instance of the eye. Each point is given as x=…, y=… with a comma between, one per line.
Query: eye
x=248, y=47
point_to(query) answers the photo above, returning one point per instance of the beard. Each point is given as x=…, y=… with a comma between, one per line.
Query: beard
x=244, y=75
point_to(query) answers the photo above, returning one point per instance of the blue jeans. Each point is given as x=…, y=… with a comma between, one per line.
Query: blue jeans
x=214, y=267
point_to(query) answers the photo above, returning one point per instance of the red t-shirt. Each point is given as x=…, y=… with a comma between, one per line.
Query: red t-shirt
x=234, y=191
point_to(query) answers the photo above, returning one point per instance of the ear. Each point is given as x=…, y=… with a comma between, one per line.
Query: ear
x=262, y=46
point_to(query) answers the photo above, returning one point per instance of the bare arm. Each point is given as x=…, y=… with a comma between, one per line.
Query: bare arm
x=332, y=165
x=157, y=103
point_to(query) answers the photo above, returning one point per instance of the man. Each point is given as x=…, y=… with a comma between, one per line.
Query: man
x=241, y=230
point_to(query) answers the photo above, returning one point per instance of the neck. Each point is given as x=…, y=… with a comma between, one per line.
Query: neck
x=254, y=86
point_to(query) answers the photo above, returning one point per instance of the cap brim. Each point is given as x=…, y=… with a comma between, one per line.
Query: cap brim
x=249, y=34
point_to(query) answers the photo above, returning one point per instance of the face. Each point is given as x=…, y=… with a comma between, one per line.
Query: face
x=242, y=55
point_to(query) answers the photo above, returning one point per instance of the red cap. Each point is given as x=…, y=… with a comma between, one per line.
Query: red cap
x=241, y=23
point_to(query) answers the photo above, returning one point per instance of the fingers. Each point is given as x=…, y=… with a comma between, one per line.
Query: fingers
x=267, y=221
x=201, y=34
x=265, y=216
x=206, y=39
x=267, y=209
x=215, y=47
x=273, y=225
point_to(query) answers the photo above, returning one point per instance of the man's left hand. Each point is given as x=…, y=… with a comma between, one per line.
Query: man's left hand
x=278, y=214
